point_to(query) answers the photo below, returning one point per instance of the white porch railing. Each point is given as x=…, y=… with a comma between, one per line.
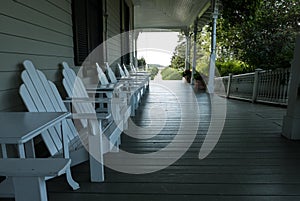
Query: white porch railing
x=260, y=86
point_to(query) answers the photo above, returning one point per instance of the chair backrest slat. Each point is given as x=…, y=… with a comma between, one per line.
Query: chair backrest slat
x=111, y=74
x=122, y=73
x=126, y=71
x=76, y=89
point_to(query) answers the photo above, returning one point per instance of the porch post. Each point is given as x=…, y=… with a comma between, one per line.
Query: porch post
x=229, y=85
x=291, y=122
x=187, y=50
x=136, y=35
x=212, y=63
x=195, y=50
x=255, y=85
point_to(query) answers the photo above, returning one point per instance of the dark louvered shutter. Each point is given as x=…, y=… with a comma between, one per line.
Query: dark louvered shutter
x=126, y=45
x=87, y=27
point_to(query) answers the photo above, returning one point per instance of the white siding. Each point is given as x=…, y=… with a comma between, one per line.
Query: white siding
x=39, y=30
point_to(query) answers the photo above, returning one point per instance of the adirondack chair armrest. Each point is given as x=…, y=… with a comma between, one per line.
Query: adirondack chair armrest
x=33, y=167
x=93, y=100
x=87, y=100
x=101, y=88
x=29, y=175
x=91, y=116
x=140, y=74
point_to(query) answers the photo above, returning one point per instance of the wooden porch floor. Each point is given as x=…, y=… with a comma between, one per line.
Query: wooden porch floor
x=250, y=162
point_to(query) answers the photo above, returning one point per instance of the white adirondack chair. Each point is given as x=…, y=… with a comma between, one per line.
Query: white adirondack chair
x=135, y=70
x=126, y=71
x=41, y=95
x=117, y=106
x=125, y=75
x=132, y=82
x=141, y=76
x=133, y=91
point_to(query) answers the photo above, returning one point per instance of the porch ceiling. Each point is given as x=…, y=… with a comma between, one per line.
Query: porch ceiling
x=170, y=14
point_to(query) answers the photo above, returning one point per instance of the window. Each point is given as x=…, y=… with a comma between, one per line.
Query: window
x=87, y=28
x=126, y=43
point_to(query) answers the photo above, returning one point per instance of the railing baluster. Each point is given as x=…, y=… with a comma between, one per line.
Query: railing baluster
x=269, y=86
x=278, y=73
x=272, y=85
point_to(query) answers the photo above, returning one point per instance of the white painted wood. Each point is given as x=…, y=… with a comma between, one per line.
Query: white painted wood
x=102, y=77
x=133, y=93
x=111, y=74
x=50, y=100
x=21, y=151
x=96, y=157
x=263, y=86
x=30, y=188
x=104, y=81
x=28, y=88
x=45, y=97
x=39, y=167
x=255, y=85
x=135, y=88
x=291, y=122
x=7, y=188
x=114, y=128
x=29, y=147
x=29, y=126
x=126, y=71
x=28, y=175
x=165, y=14
x=3, y=151
x=122, y=73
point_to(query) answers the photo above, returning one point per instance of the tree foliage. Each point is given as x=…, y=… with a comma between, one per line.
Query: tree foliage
x=178, y=58
x=141, y=62
x=250, y=34
x=259, y=32
x=202, y=53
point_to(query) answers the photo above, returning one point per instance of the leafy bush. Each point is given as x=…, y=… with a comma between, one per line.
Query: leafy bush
x=197, y=76
x=141, y=62
x=170, y=74
x=177, y=62
x=153, y=71
x=234, y=67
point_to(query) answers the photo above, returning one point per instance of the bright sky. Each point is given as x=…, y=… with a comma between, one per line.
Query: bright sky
x=157, y=47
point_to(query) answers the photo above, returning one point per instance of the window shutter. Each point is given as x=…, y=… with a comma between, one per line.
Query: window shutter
x=87, y=27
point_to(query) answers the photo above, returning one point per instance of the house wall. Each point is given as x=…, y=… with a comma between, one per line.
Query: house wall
x=39, y=30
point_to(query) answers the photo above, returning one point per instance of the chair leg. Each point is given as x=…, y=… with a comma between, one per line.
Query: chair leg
x=74, y=185
x=116, y=147
x=133, y=105
x=96, y=158
x=30, y=188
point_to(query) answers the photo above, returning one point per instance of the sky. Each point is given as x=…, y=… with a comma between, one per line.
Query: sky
x=157, y=47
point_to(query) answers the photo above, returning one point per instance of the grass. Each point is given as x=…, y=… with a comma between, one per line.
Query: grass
x=170, y=74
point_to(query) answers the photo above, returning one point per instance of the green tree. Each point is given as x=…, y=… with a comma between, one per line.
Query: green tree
x=259, y=32
x=141, y=62
x=178, y=58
